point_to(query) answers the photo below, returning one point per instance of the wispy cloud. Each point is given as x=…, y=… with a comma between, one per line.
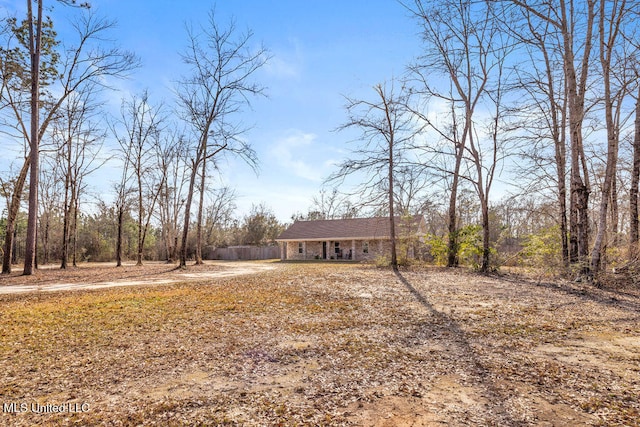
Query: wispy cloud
x=286, y=63
x=289, y=152
x=280, y=67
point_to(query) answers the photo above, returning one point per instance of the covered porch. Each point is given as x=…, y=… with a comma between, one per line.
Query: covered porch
x=344, y=250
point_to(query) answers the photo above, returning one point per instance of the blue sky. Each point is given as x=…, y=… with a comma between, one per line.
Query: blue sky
x=322, y=50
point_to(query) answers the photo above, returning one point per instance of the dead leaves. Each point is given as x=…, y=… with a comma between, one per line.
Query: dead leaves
x=325, y=344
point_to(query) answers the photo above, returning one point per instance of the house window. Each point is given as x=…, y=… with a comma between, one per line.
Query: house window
x=337, y=247
x=300, y=248
x=365, y=247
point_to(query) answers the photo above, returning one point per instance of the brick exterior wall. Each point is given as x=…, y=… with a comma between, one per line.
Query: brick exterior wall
x=313, y=249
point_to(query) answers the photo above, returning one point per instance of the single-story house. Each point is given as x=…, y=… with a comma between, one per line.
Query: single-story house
x=347, y=239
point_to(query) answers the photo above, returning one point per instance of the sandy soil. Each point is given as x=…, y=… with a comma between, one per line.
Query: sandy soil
x=106, y=275
x=324, y=344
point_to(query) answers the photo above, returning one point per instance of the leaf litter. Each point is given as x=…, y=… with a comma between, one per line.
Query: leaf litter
x=324, y=344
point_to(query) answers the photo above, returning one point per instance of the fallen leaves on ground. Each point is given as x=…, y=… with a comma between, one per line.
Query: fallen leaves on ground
x=325, y=344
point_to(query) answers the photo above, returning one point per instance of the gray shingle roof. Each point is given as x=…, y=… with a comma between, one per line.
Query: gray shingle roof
x=354, y=228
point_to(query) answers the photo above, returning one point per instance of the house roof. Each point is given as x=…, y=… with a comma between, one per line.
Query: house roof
x=353, y=228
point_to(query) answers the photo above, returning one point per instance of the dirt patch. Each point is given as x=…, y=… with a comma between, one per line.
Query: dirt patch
x=324, y=344
x=102, y=275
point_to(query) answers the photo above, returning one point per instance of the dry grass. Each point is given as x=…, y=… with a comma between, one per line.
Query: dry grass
x=324, y=344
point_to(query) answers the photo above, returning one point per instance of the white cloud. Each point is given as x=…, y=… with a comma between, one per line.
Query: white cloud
x=280, y=67
x=289, y=152
x=286, y=64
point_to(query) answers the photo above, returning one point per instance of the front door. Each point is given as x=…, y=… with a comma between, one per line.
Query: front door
x=324, y=250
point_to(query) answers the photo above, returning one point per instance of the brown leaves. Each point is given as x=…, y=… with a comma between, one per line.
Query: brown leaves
x=324, y=344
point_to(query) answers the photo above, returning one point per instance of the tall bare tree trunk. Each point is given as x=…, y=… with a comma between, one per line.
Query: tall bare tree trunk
x=75, y=231
x=140, y=215
x=34, y=142
x=559, y=132
x=633, y=191
x=486, y=237
x=563, y=16
x=187, y=217
x=607, y=43
x=222, y=66
x=562, y=208
x=66, y=221
x=579, y=222
x=614, y=212
x=119, y=237
x=12, y=215
x=68, y=227
x=200, y=212
x=174, y=249
x=561, y=167
x=65, y=235
x=45, y=238
x=452, y=258
x=579, y=184
x=392, y=220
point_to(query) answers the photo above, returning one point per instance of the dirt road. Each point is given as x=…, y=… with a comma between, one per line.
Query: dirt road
x=103, y=275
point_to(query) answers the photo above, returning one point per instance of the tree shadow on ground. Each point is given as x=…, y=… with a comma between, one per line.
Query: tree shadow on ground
x=444, y=327
x=613, y=298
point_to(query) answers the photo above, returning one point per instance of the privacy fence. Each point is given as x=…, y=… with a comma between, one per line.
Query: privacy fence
x=243, y=253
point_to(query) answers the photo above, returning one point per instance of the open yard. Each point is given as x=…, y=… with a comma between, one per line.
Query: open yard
x=266, y=343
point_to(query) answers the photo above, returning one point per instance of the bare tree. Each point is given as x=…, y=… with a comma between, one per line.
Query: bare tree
x=330, y=205
x=85, y=62
x=35, y=44
x=35, y=49
x=614, y=18
x=386, y=129
x=20, y=94
x=574, y=22
x=540, y=115
x=487, y=158
x=464, y=43
x=122, y=201
x=173, y=164
x=219, y=212
x=77, y=143
x=140, y=148
x=411, y=192
x=261, y=227
x=222, y=63
x=635, y=179
x=326, y=204
x=449, y=50
x=50, y=191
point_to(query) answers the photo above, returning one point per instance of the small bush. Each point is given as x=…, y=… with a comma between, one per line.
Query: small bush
x=438, y=248
x=470, y=245
x=382, y=261
x=543, y=248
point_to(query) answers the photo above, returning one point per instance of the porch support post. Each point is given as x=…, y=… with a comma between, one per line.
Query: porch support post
x=353, y=250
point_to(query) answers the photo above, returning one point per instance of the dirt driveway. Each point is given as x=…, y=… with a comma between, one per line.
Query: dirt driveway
x=106, y=275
